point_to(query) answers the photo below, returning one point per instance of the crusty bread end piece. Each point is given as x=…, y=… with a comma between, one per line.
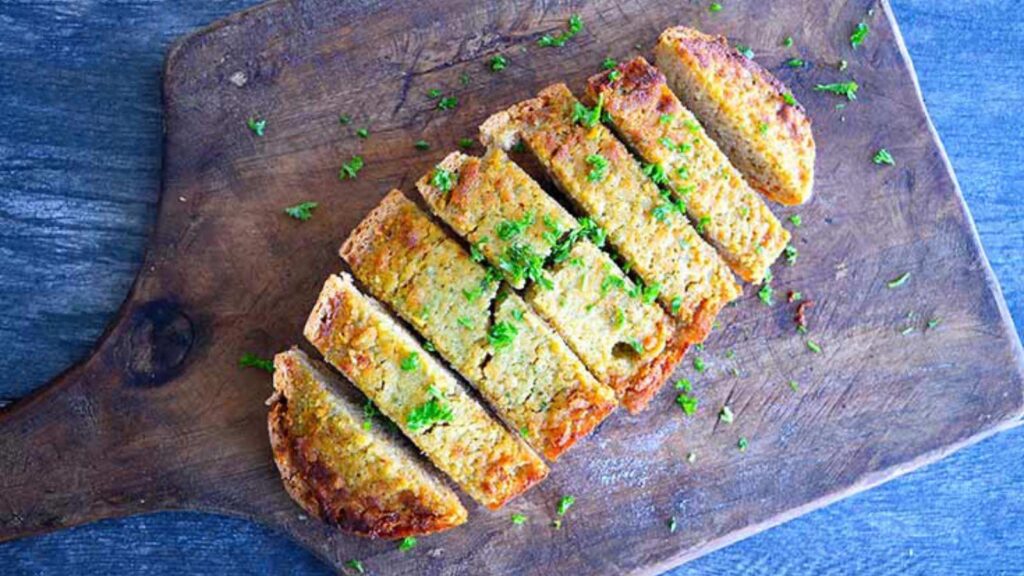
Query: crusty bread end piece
x=358, y=478
x=745, y=109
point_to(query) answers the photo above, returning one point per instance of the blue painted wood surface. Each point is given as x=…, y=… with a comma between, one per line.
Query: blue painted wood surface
x=79, y=174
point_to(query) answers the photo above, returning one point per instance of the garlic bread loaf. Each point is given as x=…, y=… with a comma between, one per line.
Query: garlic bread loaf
x=359, y=338
x=728, y=213
x=746, y=110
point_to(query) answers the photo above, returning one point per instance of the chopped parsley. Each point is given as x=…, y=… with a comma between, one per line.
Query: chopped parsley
x=796, y=220
x=349, y=170
x=687, y=403
x=411, y=362
x=363, y=133
x=498, y=63
x=586, y=116
x=471, y=294
x=502, y=334
x=433, y=411
x=559, y=40
x=587, y=229
x=791, y=253
x=656, y=173
x=369, y=411
x=356, y=565
x=302, y=211
x=933, y=323
x=464, y=79
x=684, y=385
x=564, y=504
x=256, y=125
x=475, y=251
x=726, y=415
x=747, y=52
x=699, y=365
x=407, y=543
x=848, y=89
x=702, y=223
x=650, y=293
x=794, y=386
x=742, y=443
x=898, y=281
x=447, y=103
x=636, y=345
x=520, y=261
x=665, y=119
x=672, y=525
x=421, y=145
x=614, y=75
x=466, y=143
x=253, y=361
x=609, y=63
x=344, y=119
x=795, y=63
x=788, y=98
x=787, y=41
x=883, y=156
x=509, y=229
x=434, y=93
x=611, y=281
x=429, y=346
x=813, y=347
x=442, y=179
x=465, y=322
x=860, y=33
x=677, y=303
x=766, y=294
x=518, y=519
x=715, y=7
x=599, y=167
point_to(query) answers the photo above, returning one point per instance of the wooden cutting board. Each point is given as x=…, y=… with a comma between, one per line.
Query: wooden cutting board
x=162, y=417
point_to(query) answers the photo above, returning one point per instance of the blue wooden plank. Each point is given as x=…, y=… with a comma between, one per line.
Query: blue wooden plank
x=79, y=171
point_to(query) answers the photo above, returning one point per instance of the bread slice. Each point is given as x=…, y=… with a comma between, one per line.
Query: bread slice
x=410, y=387
x=627, y=342
x=746, y=109
x=359, y=478
x=497, y=342
x=694, y=283
x=652, y=121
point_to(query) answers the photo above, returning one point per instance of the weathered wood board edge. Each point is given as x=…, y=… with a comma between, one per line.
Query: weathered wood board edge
x=867, y=482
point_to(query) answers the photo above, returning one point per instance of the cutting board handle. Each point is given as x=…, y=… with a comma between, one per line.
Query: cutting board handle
x=94, y=443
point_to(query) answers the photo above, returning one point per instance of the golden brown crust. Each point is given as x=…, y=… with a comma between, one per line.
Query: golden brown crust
x=655, y=124
x=369, y=488
x=745, y=108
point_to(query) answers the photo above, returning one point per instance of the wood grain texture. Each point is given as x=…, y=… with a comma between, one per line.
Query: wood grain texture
x=750, y=311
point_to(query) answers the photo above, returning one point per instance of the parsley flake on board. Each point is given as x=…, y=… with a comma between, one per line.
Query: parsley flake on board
x=408, y=543
x=883, y=156
x=302, y=211
x=421, y=145
x=687, y=403
x=848, y=89
x=788, y=98
x=672, y=525
x=434, y=93
x=433, y=411
x=813, y=347
x=349, y=170
x=363, y=133
x=899, y=280
x=766, y=294
x=518, y=519
x=787, y=41
x=790, y=252
x=860, y=33
x=564, y=504
x=442, y=179
x=796, y=220
x=498, y=63
x=344, y=119
x=256, y=125
x=253, y=361
x=466, y=143
x=559, y=40
x=699, y=365
x=794, y=386
x=356, y=565
x=795, y=63
x=715, y=7
x=726, y=415
x=447, y=103
x=742, y=443
x=609, y=63
x=747, y=52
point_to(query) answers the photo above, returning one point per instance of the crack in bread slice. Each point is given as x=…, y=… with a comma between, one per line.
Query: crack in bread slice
x=745, y=109
x=358, y=337
x=598, y=173
x=519, y=365
x=624, y=338
x=651, y=120
x=361, y=479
